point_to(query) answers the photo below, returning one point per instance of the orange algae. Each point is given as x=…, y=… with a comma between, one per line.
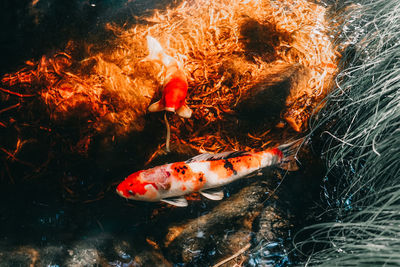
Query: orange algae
x=229, y=46
x=226, y=48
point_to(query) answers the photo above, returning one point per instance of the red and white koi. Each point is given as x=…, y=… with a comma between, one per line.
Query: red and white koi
x=175, y=82
x=170, y=182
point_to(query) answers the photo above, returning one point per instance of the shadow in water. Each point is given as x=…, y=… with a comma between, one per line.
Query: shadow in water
x=32, y=28
x=261, y=39
x=61, y=232
x=262, y=106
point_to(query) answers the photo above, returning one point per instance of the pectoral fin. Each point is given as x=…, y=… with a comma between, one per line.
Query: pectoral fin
x=184, y=111
x=212, y=194
x=178, y=201
x=157, y=106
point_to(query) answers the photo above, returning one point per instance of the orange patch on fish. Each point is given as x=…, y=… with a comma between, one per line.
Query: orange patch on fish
x=246, y=162
x=193, y=197
x=181, y=171
x=198, y=181
x=223, y=168
x=151, y=193
x=277, y=151
x=193, y=180
x=175, y=92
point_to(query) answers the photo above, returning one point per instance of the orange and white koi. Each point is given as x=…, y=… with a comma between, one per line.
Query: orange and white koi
x=170, y=182
x=175, y=82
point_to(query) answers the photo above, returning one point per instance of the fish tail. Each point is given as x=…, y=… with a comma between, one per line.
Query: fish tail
x=289, y=152
x=156, y=52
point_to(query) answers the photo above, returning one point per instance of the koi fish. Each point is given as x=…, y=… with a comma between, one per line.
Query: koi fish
x=170, y=182
x=176, y=85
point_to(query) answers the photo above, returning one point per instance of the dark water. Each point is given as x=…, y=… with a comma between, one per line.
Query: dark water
x=61, y=231
x=72, y=215
x=112, y=230
x=32, y=28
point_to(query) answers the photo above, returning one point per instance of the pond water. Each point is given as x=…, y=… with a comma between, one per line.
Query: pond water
x=70, y=215
x=37, y=220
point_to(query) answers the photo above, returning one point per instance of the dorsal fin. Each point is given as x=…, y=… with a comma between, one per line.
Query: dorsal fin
x=222, y=155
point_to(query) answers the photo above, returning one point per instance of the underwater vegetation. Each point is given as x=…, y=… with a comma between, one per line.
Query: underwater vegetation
x=361, y=133
x=74, y=122
x=251, y=66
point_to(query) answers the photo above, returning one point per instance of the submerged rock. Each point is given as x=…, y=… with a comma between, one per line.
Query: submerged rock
x=33, y=256
x=150, y=258
x=83, y=257
x=223, y=231
x=24, y=256
x=253, y=226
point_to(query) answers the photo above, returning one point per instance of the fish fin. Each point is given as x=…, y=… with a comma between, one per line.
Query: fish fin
x=222, y=155
x=200, y=157
x=292, y=146
x=289, y=163
x=157, y=106
x=155, y=50
x=176, y=201
x=184, y=111
x=255, y=173
x=213, y=194
x=157, y=54
x=289, y=151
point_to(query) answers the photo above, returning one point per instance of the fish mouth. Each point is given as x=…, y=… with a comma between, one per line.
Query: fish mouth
x=171, y=109
x=119, y=192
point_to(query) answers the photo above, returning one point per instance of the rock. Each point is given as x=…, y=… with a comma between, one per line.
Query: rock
x=83, y=257
x=234, y=248
x=253, y=226
x=130, y=254
x=24, y=256
x=32, y=256
x=150, y=258
x=209, y=236
x=89, y=252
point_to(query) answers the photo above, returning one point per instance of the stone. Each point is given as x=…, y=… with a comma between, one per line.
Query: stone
x=209, y=236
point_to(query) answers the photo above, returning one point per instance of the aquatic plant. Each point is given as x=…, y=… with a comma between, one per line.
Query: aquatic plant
x=360, y=126
x=102, y=90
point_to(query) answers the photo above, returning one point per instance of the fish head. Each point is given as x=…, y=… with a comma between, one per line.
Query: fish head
x=174, y=93
x=136, y=188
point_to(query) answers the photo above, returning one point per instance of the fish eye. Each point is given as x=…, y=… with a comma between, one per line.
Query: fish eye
x=131, y=192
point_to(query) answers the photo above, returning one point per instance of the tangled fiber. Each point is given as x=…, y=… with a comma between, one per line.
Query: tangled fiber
x=101, y=91
x=361, y=128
